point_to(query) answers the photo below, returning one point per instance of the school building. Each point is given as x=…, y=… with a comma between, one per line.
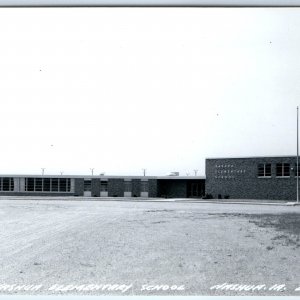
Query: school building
x=103, y=186
x=270, y=178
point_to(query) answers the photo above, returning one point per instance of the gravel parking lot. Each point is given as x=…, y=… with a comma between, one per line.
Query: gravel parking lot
x=148, y=248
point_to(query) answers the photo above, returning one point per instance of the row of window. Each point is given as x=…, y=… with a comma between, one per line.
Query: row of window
x=6, y=184
x=88, y=185
x=104, y=186
x=59, y=185
x=282, y=170
x=47, y=184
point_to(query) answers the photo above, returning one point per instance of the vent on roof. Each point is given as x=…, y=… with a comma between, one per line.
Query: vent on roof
x=174, y=174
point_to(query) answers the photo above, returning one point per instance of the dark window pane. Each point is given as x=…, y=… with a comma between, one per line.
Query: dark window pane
x=38, y=184
x=5, y=184
x=63, y=185
x=286, y=169
x=87, y=185
x=268, y=170
x=30, y=184
x=278, y=169
x=103, y=186
x=260, y=171
x=12, y=184
x=68, y=185
x=46, y=185
x=54, y=183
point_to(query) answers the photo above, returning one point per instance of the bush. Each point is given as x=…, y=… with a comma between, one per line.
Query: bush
x=219, y=196
x=207, y=196
x=226, y=197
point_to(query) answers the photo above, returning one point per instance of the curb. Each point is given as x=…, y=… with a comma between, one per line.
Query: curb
x=176, y=200
x=293, y=204
x=245, y=203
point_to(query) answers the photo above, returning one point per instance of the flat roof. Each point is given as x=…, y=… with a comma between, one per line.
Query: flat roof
x=180, y=177
x=254, y=157
x=101, y=177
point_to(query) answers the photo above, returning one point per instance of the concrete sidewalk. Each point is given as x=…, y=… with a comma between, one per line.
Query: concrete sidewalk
x=141, y=199
x=237, y=201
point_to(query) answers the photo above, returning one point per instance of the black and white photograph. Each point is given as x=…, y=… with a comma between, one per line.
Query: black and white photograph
x=149, y=151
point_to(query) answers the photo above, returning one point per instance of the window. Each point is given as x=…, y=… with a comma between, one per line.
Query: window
x=127, y=186
x=47, y=184
x=103, y=186
x=282, y=170
x=29, y=184
x=144, y=186
x=63, y=185
x=264, y=170
x=54, y=185
x=68, y=184
x=6, y=184
x=38, y=184
x=87, y=185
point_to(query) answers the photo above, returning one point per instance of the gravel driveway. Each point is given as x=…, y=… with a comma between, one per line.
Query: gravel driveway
x=155, y=248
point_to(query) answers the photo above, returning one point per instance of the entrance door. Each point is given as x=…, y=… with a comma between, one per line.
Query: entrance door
x=87, y=191
x=195, y=190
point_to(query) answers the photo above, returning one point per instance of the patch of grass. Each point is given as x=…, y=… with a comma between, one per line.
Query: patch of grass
x=288, y=225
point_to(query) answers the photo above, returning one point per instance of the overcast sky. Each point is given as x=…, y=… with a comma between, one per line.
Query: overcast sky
x=121, y=89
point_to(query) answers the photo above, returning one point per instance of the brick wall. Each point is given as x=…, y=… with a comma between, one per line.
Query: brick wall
x=115, y=187
x=152, y=183
x=79, y=186
x=136, y=187
x=95, y=188
x=242, y=180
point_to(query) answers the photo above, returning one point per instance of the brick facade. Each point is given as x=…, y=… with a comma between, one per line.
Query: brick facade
x=238, y=178
x=136, y=187
x=95, y=189
x=156, y=187
x=115, y=187
x=79, y=186
x=152, y=188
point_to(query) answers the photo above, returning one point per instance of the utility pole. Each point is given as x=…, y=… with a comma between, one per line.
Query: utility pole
x=43, y=170
x=297, y=174
x=92, y=170
x=196, y=171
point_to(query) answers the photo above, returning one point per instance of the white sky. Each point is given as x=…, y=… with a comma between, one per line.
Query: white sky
x=121, y=89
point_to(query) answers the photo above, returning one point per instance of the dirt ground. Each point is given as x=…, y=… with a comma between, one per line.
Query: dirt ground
x=148, y=248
